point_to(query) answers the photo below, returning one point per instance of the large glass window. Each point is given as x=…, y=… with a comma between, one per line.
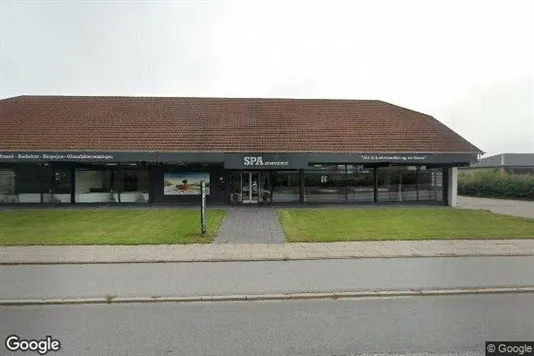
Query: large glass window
x=408, y=183
x=58, y=185
x=7, y=186
x=112, y=184
x=28, y=185
x=52, y=183
x=96, y=185
x=21, y=184
x=360, y=183
x=325, y=184
x=133, y=186
x=430, y=184
x=235, y=183
x=397, y=183
x=285, y=186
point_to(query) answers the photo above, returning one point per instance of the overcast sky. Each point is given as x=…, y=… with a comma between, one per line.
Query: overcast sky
x=468, y=63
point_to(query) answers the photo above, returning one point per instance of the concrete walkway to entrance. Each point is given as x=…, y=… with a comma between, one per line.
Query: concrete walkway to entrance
x=519, y=208
x=251, y=225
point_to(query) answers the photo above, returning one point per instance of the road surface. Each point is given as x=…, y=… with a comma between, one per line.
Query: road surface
x=229, y=278
x=444, y=325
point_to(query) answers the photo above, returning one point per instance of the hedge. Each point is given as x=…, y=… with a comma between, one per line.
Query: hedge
x=496, y=184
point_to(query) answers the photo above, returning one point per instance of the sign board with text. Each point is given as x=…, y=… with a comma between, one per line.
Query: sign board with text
x=242, y=160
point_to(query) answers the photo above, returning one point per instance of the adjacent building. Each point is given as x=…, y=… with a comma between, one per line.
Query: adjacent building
x=157, y=150
x=518, y=163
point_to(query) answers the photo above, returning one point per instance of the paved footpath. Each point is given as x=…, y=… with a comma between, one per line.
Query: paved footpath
x=262, y=252
x=251, y=225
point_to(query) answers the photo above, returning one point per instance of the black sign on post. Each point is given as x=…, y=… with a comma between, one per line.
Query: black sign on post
x=203, y=206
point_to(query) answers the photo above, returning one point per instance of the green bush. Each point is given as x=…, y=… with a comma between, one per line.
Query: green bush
x=496, y=183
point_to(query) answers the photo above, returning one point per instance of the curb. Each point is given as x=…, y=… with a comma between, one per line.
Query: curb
x=261, y=259
x=267, y=297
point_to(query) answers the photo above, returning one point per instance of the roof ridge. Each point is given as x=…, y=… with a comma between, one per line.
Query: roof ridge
x=52, y=96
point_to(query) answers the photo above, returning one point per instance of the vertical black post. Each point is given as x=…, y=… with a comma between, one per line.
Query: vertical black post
x=270, y=182
x=118, y=184
x=203, y=206
x=375, y=190
x=302, y=186
x=417, y=181
x=73, y=183
x=345, y=181
x=111, y=178
x=153, y=176
x=41, y=181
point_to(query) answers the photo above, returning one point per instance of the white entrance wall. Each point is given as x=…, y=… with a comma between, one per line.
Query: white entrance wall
x=452, y=192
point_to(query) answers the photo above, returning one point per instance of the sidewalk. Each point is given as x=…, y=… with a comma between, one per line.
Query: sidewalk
x=261, y=252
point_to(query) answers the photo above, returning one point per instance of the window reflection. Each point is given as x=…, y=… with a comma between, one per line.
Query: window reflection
x=95, y=186
x=360, y=183
x=21, y=184
x=325, y=184
x=285, y=186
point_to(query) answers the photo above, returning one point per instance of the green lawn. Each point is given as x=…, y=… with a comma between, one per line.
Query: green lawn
x=325, y=225
x=106, y=227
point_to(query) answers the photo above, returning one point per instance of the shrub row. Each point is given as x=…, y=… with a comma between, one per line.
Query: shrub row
x=496, y=184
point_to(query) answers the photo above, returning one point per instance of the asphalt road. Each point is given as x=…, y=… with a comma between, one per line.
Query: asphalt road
x=455, y=325
x=228, y=278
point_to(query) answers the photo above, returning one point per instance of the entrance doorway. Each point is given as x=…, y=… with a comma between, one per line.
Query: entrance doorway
x=249, y=187
x=250, y=181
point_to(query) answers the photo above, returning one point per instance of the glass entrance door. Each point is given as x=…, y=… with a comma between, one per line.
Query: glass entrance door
x=250, y=190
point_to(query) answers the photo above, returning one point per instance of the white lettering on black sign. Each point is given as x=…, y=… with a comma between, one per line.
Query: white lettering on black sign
x=56, y=157
x=258, y=161
x=393, y=158
x=253, y=161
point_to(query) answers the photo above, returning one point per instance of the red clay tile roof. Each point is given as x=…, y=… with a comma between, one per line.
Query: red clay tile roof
x=64, y=123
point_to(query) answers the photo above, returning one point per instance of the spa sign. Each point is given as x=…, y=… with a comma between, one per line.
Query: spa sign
x=259, y=161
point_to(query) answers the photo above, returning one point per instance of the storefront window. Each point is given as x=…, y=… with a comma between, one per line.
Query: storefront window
x=7, y=186
x=360, y=183
x=408, y=183
x=285, y=186
x=111, y=184
x=389, y=184
x=234, y=186
x=21, y=184
x=27, y=183
x=133, y=186
x=95, y=185
x=430, y=184
x=325, y=184
x=59, y=187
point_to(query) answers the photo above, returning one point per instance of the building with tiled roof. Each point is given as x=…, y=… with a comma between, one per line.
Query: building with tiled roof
x=70, y=149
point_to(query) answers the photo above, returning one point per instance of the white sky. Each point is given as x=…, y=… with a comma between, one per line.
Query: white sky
x=468, y=63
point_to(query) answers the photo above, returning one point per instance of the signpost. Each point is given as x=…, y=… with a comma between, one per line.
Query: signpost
x=203, y=206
